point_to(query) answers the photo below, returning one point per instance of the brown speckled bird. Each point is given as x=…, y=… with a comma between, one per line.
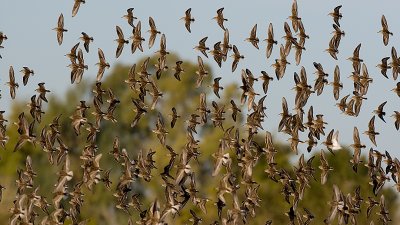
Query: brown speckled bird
x=385, y=31
x=188, y=19
x=60, y=29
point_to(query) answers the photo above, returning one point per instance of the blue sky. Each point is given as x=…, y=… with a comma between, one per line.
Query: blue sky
x=33, y=43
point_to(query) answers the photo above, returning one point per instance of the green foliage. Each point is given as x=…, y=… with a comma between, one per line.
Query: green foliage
x=99, y=205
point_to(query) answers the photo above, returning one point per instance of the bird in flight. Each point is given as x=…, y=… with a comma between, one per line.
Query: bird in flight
x=60, y=29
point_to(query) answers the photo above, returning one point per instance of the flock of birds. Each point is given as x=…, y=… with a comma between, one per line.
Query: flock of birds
x=180, y=188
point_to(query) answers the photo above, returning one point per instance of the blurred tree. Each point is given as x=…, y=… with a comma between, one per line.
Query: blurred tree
x=99, y=203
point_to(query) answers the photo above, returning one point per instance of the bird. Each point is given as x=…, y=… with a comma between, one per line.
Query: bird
x=342, y=105
x=383, y=212
x=66, y=171
x=129, y=16
x=140, y=110
x=253, y=39
x=163, y=47
x=371, y=162
x=202, y=46
x=3, y=137
x=143, y=73
x=153, y=32
x=332, y=49
x=235, y=110
x=102, y=64
x=302, y=32
x=188, y=19
x=324, y=167
x=201, y=72
x=77, y=69
x=277, y=67
x=78, y=120
x=266, y=80
x=294, y=141
x=299, y=50
x=106, y=179
x=379, y=111
x=132, y=80
x=295, y=17
x=86, y=39
x=349, y=107
x=178, y=69
x=332, y=141
x=183, y=168
x=192, y=122
x=2, y=37
x=291, y=214
x=221, y=158
x=365, y=80
x=217, y=53
x=115, y=152
x=25, y=131
x=137, y=38
x=336, y=84
x=236, y=57
x=136, y=202
x=27, y=72
x=270, y=40
x=121, y=41
x=385, y=31
x=172, y=205
x=358, y=98
x=371, y=204
x=42, y=91
x=220, y=18
x=160, y=130
x=12, y=84
x=397, y=89
x=336, y=14
x=321, y=78
x=195, y=219
x=225, y=46
x=384, y=66
x=216, y=86
x=60, y=29
x=371, y=130
x=174, y=117
x=202, y=109
x=281, y=64
x=155, y=93
x=357, y=146
x=76, y=6
x=337, y=35
x=396, y=116
x=161, y=66
x=395, y=64
x=356, y=58
x=289, y=38
x=72, y=55
x=1, y=191
x=311, y=142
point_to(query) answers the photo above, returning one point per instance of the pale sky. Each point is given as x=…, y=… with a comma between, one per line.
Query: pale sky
x=33, y=43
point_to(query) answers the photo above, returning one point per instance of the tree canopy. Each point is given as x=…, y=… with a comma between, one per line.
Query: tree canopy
x=155, y=169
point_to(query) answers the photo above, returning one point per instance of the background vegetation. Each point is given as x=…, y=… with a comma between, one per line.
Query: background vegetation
x=99, y=203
